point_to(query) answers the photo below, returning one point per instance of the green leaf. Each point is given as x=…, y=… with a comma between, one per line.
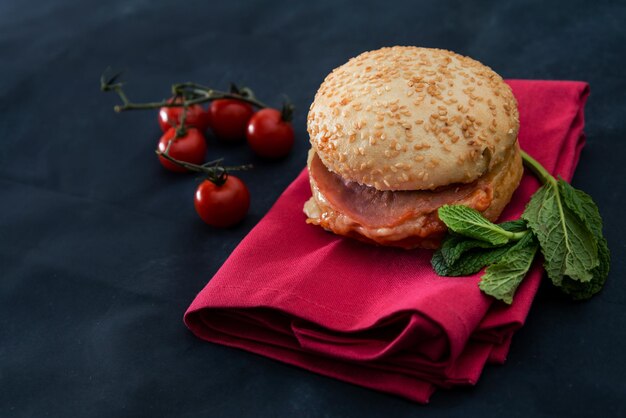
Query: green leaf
x=502, y=278
x=471, y=262
x=583, y=205
x=469, y=222
x=568, y=246
x=584, y=290
x=454, y=245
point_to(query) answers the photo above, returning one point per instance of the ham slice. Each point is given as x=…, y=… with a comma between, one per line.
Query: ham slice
x=374, y=208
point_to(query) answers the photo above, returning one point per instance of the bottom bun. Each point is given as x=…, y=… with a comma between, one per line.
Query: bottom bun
x=406, y=219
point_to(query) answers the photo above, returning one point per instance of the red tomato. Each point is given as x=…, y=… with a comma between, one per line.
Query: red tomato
x=190, y=148
x=229, y=118
x=269, y=135
x=222, y=206
x=170, y=116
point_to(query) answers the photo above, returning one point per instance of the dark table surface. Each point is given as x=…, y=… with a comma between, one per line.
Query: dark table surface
x=101, y=251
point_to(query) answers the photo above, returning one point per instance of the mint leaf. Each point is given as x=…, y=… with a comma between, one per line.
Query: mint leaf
x=469, y=222
x=502, y=278
x=583, y=205
x=584, y=290
x=471, y=262
x=568, y=246
x=454, y=245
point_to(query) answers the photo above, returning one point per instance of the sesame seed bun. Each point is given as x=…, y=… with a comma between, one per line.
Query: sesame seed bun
x=409, y=118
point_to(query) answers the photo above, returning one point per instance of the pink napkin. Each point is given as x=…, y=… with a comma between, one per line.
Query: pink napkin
x=372, y=316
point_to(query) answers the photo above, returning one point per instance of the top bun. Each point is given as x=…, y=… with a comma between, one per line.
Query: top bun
x=408, y=118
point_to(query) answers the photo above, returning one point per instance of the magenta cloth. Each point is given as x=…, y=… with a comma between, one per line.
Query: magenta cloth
x=373, y=316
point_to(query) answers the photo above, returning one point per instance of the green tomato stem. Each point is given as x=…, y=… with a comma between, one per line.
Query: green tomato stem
x=213, y=170
x=538, y=170
x=191, y=94
x=205, y=96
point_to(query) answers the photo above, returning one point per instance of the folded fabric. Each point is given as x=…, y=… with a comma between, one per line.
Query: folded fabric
x=373, y=316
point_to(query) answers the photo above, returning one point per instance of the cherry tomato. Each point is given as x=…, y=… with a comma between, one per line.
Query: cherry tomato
x=269, y=135
x=222, y=206
x=229, y=119
x=190, y=148
x=170, y=116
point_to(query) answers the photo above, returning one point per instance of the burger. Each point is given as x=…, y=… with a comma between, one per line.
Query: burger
x=397, y=133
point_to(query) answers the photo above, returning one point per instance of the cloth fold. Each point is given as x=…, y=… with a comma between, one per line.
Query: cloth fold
x=373, y=316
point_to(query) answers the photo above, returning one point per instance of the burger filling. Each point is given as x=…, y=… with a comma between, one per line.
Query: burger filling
x=405, y=219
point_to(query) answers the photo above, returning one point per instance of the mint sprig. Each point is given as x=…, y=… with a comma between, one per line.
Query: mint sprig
x=563, y=222
x=470, y=223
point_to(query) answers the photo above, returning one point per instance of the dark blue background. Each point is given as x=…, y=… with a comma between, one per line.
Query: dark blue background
x=101, y=251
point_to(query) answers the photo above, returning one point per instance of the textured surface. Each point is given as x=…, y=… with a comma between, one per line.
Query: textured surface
x=101, y=252
x=409, y=118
